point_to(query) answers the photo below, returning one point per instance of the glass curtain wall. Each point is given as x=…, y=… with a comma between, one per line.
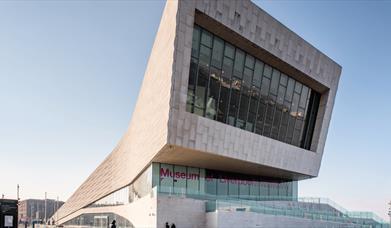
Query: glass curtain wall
x=141, y=187
x=229, y=85
x=119, y=197
x=212, y=184
x=200, y=183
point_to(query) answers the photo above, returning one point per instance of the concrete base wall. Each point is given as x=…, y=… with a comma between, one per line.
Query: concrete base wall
x=155, y=210
x=183, y=212
x=225, y=219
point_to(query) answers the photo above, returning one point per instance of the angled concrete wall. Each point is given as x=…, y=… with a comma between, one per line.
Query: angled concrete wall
x=141, y=213
x=147, y=133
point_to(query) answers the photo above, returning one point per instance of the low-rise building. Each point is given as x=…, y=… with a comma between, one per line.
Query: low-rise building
x=34, y=209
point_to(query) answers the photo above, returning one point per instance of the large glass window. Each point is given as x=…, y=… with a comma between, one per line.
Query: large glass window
x=139, y=188
x=98, y=220
x=119, y=197
x=233, y=87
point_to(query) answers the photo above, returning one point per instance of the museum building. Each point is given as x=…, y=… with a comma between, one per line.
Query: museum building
x=233, y=112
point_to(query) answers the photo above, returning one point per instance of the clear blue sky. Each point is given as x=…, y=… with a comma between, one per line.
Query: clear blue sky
x=70, y=73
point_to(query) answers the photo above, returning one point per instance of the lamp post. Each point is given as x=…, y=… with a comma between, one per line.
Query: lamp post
x=57, y=212
x=17, y=192
x=389, y=211
x=45, y=207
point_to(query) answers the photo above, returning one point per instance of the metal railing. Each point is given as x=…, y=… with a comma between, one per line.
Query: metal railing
x=304, y=207
x=298, y=209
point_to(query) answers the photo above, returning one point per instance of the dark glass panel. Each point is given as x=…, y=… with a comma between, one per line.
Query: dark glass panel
x=298, y=87
x=291, y=127
x=252, y=114
x=269, y=116
x=233, y=106
x=225, y=89
x=295, y=104
x=275, y=82
x=299, y=123
x=284, y=80
x=267, y=72
x=205, y=53
x=260, y=117
x=293, y=115
x=217, y=52
x=296, y=137
x=196, y=42
x=254, y=104
x=249, y=61
x=276, y=122
x=258, y=70
x=227, y=68
x=284, y=121
x=303, y=97
x=192, y=84
x=289, y=90
x=213, y=93
x=247, y=78
x=281, y=95
x=229, y=50
x=250, y=122
x=239, y=63
x=243, y=111
x=265, y=86
x=224, y=100
x=310, y=120
x=200, y=94
x=206, y=38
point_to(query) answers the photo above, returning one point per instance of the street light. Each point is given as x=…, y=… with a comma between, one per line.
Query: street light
x=389, y=211
x=57, y=212
x=45, y=207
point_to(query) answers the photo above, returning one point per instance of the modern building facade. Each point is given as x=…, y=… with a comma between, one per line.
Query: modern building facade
x=34, y=209
x=234, y=109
